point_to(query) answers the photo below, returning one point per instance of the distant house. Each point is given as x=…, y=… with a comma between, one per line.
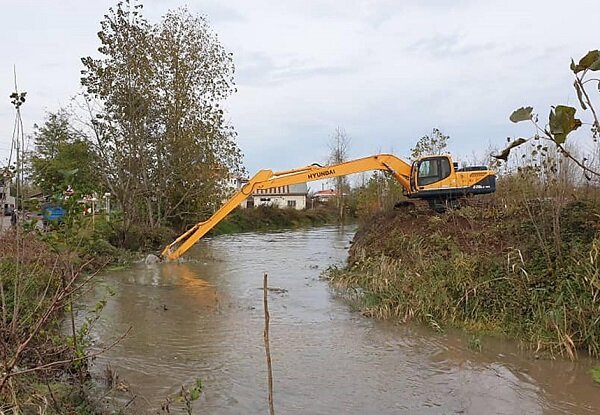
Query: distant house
x=293, y=196
x=234, y=183
x=322, y=196
x=8, y=202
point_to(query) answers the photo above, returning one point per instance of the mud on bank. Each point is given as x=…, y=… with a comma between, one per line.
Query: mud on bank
x=529, y=271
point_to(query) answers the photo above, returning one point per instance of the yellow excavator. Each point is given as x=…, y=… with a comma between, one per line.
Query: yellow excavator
x=436, y=179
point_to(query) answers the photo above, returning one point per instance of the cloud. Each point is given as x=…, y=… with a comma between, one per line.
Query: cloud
x=444, y=46
x=387, y=71
x=258, y=68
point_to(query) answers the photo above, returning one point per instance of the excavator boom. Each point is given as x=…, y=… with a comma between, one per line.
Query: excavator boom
x=404, y=173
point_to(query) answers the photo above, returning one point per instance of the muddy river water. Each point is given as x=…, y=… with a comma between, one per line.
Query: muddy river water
x=203, y=318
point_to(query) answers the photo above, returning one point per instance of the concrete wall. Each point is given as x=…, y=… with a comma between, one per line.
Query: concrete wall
x=292, y=196
x=7, y=202
x=297, y=202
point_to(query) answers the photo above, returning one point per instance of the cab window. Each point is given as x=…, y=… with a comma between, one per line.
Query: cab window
x=433, y=170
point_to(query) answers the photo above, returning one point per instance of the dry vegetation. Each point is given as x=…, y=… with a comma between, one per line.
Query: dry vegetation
x=524, y=263
x=39, y=363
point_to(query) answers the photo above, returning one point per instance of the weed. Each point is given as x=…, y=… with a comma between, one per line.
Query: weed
x=185, y=398
x=475, y=344
x=596, y=374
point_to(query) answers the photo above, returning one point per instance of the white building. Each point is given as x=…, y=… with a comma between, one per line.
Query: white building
x=8, y=202
x=293, y=196
x=325, y=195
x=233, y=183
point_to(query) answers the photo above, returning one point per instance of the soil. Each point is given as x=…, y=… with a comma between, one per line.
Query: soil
x=468, y=230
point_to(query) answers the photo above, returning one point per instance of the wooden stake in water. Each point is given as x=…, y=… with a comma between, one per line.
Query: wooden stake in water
x=267, y=349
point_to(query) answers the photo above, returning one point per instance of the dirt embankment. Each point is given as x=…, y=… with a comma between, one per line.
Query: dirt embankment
x=529, y=271
x=383, y=234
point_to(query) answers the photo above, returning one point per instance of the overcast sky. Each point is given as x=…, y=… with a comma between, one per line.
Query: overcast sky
x=385, y=71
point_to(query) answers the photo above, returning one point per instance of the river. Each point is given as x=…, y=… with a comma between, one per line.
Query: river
x=203, y=318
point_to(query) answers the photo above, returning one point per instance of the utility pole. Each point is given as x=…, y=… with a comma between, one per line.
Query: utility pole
x=17, y=99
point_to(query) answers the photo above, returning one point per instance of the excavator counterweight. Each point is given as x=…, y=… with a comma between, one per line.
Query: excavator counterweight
x=433, y=178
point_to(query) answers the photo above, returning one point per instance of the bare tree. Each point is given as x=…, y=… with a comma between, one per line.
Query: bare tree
x=339, y=145
x=429, y=145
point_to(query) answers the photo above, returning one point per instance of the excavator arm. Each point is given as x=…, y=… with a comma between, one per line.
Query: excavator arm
x=266, y=179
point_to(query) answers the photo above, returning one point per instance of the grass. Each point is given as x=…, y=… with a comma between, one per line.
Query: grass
x=596, y=374
x=492, y=270
x=475, y=344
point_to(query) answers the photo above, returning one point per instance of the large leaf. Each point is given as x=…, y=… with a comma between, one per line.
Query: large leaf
x=562, y=122
x=590, y=61
x=522, y=114
x=504, y=154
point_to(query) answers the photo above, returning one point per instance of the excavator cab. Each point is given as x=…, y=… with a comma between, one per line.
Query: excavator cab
x=438, y=179
x=431, y=170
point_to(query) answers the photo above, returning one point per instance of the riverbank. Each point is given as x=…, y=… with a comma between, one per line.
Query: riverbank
x=265, y=218
x=142, y=239
x=43, y=354
x=527, y=270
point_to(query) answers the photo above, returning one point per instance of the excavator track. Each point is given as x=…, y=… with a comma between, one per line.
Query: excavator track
x=441, y=206
x=413, y=205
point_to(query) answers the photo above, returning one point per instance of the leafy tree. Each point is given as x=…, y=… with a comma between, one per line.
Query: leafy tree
x=196, y=150
x=120, y=82
x=61, y=158
x=51, y=134
x=428, y=145
x=159, y=130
